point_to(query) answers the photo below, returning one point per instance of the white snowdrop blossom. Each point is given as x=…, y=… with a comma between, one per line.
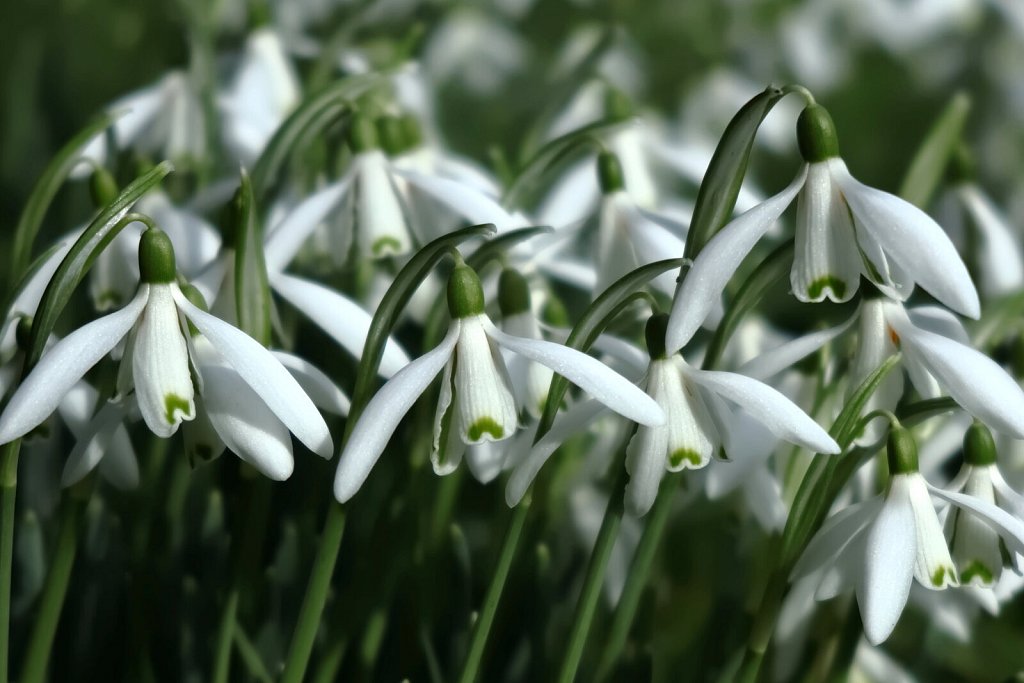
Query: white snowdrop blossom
x=844, y=230
x=881, y=545
x=251, y=396
x=477, y=403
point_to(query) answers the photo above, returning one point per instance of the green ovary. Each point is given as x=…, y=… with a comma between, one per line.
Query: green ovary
x=677, y=457
x=482, y=426
x=818, y=287
x=174, y=404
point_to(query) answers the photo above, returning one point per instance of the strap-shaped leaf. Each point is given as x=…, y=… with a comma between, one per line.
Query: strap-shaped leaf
x=95, y=238
x=43, y=193
x=929, y=164
x=716, y=197
x=775, y=267
x=391, y=306
x=310, y=118
x=252, y=289
x=593, y=322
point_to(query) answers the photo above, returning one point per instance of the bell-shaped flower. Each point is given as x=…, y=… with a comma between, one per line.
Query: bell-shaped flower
x=157, y=364
x=882, y=544
x=975, y=546
x=477, y=403
x=700, y=421
x=844, y=230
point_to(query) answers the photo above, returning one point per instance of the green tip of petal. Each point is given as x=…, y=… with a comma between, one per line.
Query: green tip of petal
x=156, y=257
x=465, y=293
x=976, y=570
x=174, y=404
x=683, y=455
x=816, y=134
x=485, y=425
x=386, y=246
x=816, y=290
x=979, y=446
x=902, y=451
x=513, y=293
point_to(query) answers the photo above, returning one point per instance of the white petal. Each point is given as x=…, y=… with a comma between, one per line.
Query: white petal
x=691, y=434
x=266, y=376
x=324, y=393
x=446, y=448
x=63, y=365
x=826, y=262
x=615, y=254
x=940, y=321
x=196, y=242
x=652, y=242
x=383, y=413
x=241, y=418
x=484, y=404
x=570, y=423
x=889, y=564
x=589, y=374
x=381, y=222
x=973, y=379
x=706, y=279
x=769, y=407
x=772, y=362
x=999, y=253
x=26, y=299
x=1009, y=528
x=934, y=567
x=343, y=319
x=914, y=242
x=485, y=460
x=120, y=466
x=973, y=544
x=93, y=444
x=160, y=369
x=875, y=344
x=834, y=535
x=645, y=462
x=471, y=204
x=288, y=236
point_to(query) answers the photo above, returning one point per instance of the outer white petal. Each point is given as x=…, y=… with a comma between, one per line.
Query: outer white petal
x=470, y=203
x=265, y=375
x=572, y=422
x=875, y=345
x=1009, y=528
x=160, y=367
x=383, y=413
x=940, y=321
x=26, y=300
x=769, y=407
x=704, y=283
x=94, y=442
x=63, y=365
x=1001, y=262
x=381, y=224
x=240, y=417
x=645, y=462
x=485, y=460
x=834, y=535
x=615, y=254
x=652, y=242
x=914, y=242
x=318, y=386
x=120, y=466
x=934, y=567
x=288, y=236
x=343, y=319
x=774, y=361
x=889, y=564
x=589, y=374
x=973, y=379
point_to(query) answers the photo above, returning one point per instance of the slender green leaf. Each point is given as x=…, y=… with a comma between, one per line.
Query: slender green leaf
x=592, y=323
x=79, y=260
x=775, y=267
x=716, y=197
x=43, y=193
x=929, y=164
x=252, y=288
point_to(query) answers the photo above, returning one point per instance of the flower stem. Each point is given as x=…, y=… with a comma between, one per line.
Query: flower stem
x=8, y=491
x=222, y=658
x=316, y=595
x=485, y=619
x=591, y=592
x=636, y=580
x=52, y=601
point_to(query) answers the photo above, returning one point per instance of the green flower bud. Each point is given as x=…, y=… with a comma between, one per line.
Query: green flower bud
x=816, y=134
x=362, y=134
x=412, y=132
x=657, y=328
x=197, y=299
x=902, y=451
x=554, y=312
x=513, y=293
x=617, y=104
x=391, y=134
x=102, y=187
x=465, y=293
x=979, y=446
x=156, y=257
x=609, y=173
x=23, y=332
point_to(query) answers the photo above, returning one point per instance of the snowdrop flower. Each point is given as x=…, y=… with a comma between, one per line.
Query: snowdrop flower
x=699, y=421
x=156, y=363
x=530, y=379
x=476, y=404
x=882, y=544
x=264, y=91
x=936, y=356
x=974, y=545
x=843, y=230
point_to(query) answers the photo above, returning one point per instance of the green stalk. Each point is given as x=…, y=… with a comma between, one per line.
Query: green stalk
x=316, y=594
x=222, y=659
x=8, y=492
x=591, y=592
x=485, y=620
x=636, y=580
x=50, y=605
